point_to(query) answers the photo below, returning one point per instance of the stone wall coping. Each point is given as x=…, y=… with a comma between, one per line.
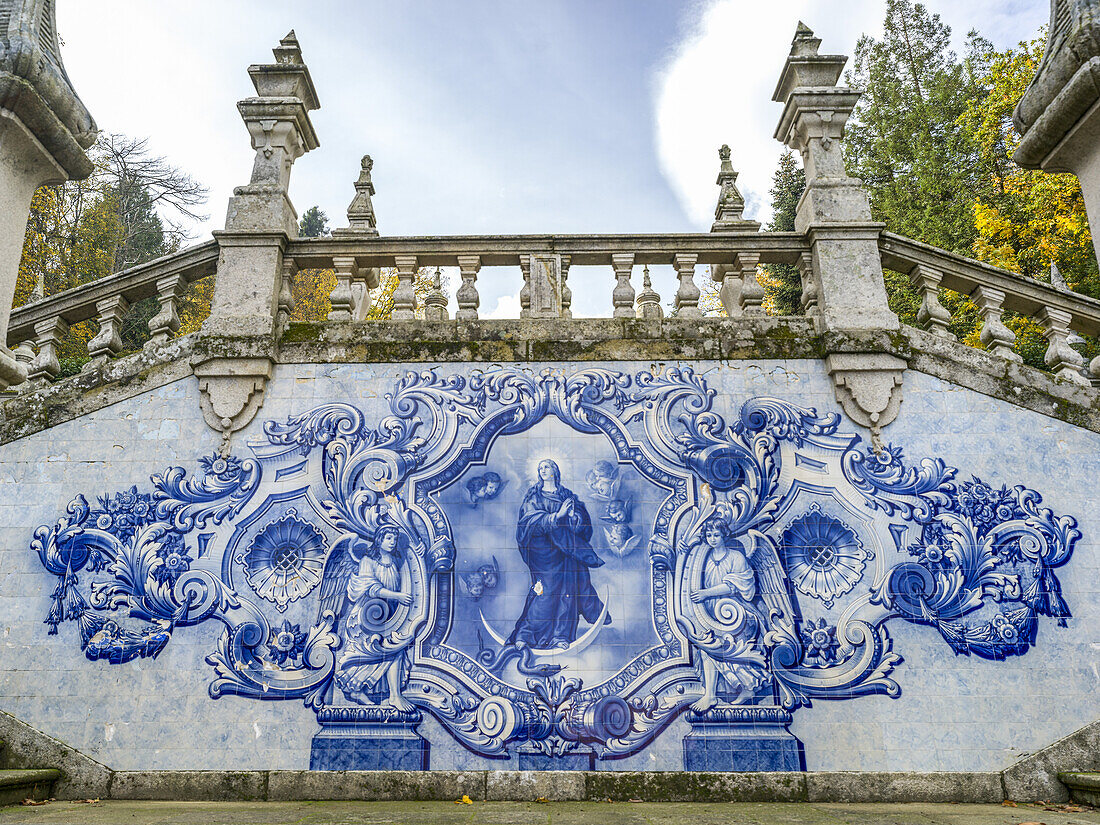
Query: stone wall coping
x=534, y=342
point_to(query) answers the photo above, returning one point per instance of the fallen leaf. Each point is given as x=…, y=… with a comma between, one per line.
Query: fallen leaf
x=464, y=801
x=542, y=799
x=1008, y=804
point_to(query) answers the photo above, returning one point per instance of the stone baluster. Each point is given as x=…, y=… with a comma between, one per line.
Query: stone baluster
x=623, y=295
x=932, y=314
x=467, y=295
x=752, y=294
x=108, y=341
x=47, y=335
x=729, y=288
x=361, y=285
x=286, y=296
x=435, y=302
x=687, y=293
x=166, y=323
x=809, y=285
x=566, y=292
x=995, y=334
x=525, y=291
x=342, y=299
x=404, y=296
x=1064, y=360
x=649, y=302
x=24, y=356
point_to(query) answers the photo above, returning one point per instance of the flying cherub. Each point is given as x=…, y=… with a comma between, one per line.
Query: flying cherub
x=620, y=535
x=483, y=580
x=484, y=488
x=603, y=481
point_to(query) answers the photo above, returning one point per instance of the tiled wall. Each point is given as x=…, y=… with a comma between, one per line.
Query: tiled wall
x=821, y=606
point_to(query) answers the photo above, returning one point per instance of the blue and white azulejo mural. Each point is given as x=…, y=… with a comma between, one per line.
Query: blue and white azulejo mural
x=556, y=566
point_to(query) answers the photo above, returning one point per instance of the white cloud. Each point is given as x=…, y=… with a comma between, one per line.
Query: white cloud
x=717, y=88
x=507, y=307
x=717, y=85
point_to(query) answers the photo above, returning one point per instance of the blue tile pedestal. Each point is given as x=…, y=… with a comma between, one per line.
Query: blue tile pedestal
x=742, y=738
x=582, y=759
x=368, y=739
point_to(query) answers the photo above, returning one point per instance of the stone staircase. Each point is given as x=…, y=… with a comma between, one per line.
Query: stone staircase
x=1083, y=787
x=18, y=785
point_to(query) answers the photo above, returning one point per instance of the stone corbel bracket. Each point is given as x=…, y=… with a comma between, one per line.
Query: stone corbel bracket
x=232, y=391
x=869, y=388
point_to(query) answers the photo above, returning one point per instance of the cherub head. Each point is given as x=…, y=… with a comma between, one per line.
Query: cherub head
x=492, y=485
x=618, y=511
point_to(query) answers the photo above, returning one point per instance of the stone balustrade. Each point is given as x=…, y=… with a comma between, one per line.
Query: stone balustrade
x=544, y=263
x=1060, y=312
x=42, y=324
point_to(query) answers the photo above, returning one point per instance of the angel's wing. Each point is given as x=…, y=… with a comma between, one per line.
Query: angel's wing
x=771, y=578
x=339, y=568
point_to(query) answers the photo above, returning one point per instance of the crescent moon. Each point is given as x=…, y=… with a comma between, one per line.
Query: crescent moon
x=578, y=646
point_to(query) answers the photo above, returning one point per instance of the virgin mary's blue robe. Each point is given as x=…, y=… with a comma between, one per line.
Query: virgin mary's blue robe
x=559, y=555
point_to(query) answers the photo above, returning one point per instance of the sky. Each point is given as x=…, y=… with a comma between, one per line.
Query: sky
x=484, y=116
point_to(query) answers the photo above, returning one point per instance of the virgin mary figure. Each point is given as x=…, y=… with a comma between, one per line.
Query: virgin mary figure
x=554, y=533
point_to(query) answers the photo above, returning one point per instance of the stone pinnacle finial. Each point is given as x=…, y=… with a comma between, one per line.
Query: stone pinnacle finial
x=289, y=50
x=649, y=302
x=361, y=217
x=729, y=214
x=36, y=89
x=1056, y=278
x=804, y=43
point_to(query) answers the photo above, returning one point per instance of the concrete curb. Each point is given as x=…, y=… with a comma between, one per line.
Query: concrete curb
x=556, y=786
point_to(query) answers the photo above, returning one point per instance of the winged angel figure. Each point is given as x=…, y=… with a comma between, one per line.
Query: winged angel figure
x=726, y=578
x=363, y=587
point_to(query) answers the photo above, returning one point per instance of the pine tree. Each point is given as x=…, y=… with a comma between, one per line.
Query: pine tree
x=904, y=141
x=314, y=223
x=782, y=282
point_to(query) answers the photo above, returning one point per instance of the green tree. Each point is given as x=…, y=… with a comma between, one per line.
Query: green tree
x=782, y=282
x=314, y=223
x=904, y=141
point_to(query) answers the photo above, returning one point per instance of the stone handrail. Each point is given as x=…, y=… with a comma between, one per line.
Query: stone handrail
x=44, y=322
x=996, y=291
x=545, y=261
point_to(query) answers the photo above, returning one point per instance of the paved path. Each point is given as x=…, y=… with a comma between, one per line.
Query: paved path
x=519, y=813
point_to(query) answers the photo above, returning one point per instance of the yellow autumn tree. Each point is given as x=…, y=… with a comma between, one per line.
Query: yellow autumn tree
x=1026, y=219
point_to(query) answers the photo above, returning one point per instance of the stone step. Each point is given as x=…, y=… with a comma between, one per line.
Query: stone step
x=1083, y=787
x=15, y=786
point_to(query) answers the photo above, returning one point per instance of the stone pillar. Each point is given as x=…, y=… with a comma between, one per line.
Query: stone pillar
x=834, y=211
x=260, y=222
x=1058, y=116
x=835, y=215
x=44, y=131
